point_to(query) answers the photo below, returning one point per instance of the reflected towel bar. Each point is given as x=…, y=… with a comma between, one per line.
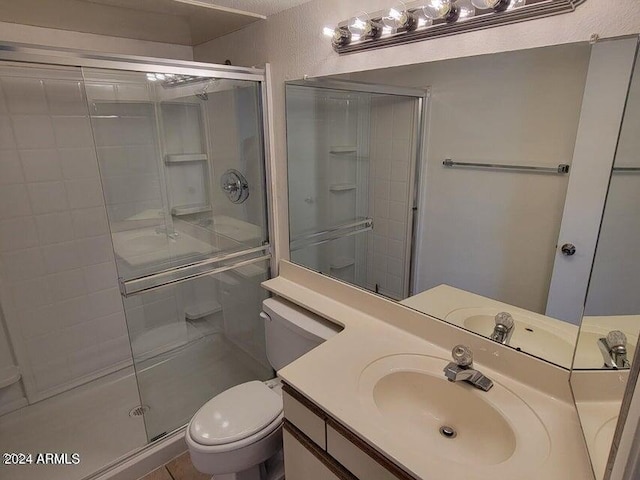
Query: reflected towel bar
x=626, y=169
x=560, y=169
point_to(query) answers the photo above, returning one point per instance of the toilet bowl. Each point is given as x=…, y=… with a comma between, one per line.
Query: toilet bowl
x=237, y=435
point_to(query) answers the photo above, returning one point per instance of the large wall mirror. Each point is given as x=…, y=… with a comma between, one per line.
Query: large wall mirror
x=474, y=190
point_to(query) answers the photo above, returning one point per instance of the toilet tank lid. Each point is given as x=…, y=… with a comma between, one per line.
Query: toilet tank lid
x=302, y=321
x=235, y=414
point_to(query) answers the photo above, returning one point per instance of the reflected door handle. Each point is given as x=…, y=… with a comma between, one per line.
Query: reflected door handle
x=568, y=249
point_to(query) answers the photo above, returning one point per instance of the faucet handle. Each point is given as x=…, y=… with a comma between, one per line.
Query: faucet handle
x=505, y=319
x=616, y=339
x=462, y=355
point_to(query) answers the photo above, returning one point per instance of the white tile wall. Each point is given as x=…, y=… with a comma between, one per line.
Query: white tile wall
x=392, y=137
x=57, y=267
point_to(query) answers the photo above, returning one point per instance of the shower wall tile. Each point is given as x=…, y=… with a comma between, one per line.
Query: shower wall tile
x=84, y=193
x=54, y=228
x=17, y=233
x=56, y=257
x=33, y=131
x=40, y=165
x=95, y=250
x=23, y=264
x=90, y=222
x=392, y=124
x=65, y=97
x=73, y=132
x=7, y=140
x=24, y=95
x=14, y=201
x=10, y=168
x=79, y=163
x=101, y=276
x=47, y=197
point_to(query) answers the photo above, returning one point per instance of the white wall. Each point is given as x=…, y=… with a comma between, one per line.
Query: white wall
x=293, y=43
x=13, y=32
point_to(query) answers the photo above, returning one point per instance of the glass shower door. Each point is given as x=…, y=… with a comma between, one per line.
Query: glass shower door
x=182, y=165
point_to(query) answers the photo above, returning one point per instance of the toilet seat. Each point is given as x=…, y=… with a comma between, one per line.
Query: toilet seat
x=236, y=418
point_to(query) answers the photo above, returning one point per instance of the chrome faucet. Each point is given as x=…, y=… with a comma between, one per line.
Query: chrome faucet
x=614, y=350
x=461, y=369
x=503, y=329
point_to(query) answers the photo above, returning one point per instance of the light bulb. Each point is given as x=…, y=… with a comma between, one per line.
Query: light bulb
x=497, y=5
x=465, y=9
x=328, y=32
x=361, y=27
x=400, y=18
x=339, y=36
x=516, y=4
x=435, y=9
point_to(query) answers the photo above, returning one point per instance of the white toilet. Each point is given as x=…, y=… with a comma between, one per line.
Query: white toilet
x=237, y=435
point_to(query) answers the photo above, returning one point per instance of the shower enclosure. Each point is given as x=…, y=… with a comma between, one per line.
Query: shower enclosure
x=352, y=152
x=133, y=241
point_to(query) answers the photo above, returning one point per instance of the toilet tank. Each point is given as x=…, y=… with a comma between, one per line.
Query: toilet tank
x=291, y=331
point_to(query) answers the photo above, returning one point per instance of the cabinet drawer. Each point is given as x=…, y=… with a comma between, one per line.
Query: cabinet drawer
x=360, y=463
x=300, y=463
x=308, y=422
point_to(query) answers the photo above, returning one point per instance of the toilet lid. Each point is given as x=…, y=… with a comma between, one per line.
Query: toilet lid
x=235, y=414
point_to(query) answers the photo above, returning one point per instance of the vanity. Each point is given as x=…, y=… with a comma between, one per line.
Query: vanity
x=373, y=401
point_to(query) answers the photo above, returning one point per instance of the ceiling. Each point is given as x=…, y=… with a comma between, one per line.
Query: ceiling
x=182, y=22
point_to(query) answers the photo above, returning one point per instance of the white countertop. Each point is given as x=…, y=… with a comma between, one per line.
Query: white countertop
x=329, y=377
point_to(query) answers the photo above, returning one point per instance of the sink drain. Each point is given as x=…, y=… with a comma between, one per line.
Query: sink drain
x=448, y=432
x=139, y=411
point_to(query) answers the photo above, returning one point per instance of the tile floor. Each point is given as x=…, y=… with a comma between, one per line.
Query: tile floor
x=179, y=468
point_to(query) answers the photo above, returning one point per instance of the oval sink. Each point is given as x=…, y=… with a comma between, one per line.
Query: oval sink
x=410, y=396
x=536, y=336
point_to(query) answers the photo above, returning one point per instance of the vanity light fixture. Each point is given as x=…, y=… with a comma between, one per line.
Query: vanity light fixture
x=413, y=21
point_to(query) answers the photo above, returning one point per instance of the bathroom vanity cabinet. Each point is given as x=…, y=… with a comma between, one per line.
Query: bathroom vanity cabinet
x=317, y=447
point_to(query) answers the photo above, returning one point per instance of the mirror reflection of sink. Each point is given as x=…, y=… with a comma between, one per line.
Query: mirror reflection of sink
x=409, y=395
x=531, y=334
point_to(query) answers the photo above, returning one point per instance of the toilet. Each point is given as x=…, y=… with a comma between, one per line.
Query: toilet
x=237, y=435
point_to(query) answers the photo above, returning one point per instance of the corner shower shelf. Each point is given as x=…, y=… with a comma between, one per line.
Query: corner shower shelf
x=9, y=375
x=185, y=157
x=342, y=187
x=343, y=149
x=190, y=209
x=341, y=262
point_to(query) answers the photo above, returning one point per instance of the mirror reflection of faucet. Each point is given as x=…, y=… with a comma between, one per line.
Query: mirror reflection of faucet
x=614, y=350
x=504, y=328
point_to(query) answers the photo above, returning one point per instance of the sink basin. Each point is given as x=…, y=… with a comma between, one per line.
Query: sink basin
x=408, y=395
x=540, y=336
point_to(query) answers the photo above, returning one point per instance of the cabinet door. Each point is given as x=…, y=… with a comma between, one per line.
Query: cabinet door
x=301, y=464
